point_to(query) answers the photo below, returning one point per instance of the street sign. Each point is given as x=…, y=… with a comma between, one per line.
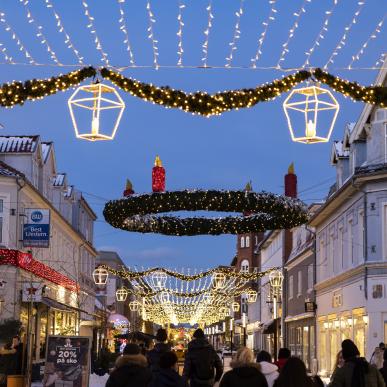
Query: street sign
x=32, y=292
x=310, y=307
x=36, y=228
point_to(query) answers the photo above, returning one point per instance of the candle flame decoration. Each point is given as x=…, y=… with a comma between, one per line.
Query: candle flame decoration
x=158, y=176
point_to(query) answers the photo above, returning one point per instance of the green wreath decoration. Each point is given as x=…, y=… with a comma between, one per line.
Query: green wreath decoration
x=263, y=211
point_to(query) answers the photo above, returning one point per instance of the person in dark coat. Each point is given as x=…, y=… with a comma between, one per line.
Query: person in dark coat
x=160, y=347
x=131, y=369
x=356, y=371
x=383, y=370
x=283, y=355
x=168, y=375
x=245, y=372
x=202, y=365
x=293, y=374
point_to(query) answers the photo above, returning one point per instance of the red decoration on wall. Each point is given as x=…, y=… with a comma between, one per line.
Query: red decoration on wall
x=26, y=262
x=158, y=176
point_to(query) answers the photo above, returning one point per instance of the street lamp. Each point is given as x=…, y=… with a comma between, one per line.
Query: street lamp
x=276, y=279
x=100, y=276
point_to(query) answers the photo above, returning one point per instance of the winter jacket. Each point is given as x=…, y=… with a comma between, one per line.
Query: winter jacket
x=168, y=378
x=130, y=371
x=280, y=363
x=383, y=371
x=244, y=375
x=377, y=358
x=357, y=372
x=269, y=371
x=200, y=362
x=154, y=355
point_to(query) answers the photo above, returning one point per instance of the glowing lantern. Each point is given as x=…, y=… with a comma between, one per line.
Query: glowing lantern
x=121, y=294
x=219, y=280
x=160, y=279
x=164, y=298
x=95, y=99
x=310, y=110
x=276, y=278
x=251, y=296
x=100, y=276
x=134, y=306
x=235, y=306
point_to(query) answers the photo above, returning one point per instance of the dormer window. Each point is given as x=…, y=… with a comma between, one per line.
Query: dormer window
x=245, y=266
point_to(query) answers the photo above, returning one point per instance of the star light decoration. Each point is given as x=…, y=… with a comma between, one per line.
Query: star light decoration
x=96, y=98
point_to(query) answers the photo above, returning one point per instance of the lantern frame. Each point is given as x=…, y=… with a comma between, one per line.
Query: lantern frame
x=219, y=280
x=121, y=294
x=276, y=279
x=99, y=102
x=134, y=306
x=251, y=296
x=160, y=279
x=100, y=276
x=311, y=94
x=235, y=306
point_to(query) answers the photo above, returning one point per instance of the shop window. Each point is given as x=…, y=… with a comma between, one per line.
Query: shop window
x=242, y=242
x=290, y=290
x=305, y=346
x=247, y=241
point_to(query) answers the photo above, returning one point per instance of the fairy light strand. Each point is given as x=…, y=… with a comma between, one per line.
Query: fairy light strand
x=373, y=35
x=4, y=51
x=124, y=29
x=179, y=34
x=321, y=34
x=210, y=18
x=151, y=36
x=69, y=44
x=39, y=34
x=93, y=31
x=262, y=37
x=292, y=32
x=236, y=36
x=380, y=61
x=343, y=39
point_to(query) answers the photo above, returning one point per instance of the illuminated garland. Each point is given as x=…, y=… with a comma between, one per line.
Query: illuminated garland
x=269, y=212
x=198, y=103
x=228, y=271
x=16, y=93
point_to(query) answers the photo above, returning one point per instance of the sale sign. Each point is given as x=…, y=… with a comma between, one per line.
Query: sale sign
x=67, y=361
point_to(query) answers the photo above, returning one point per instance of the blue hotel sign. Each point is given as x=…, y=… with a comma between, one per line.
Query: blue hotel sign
x=36, y=229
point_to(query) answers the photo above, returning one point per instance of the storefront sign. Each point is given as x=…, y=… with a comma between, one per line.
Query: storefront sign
x=32, y=292
x=36, y=228
x=67, y=361
x=310, y=307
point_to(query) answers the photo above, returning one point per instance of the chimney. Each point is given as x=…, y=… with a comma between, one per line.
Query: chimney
x=291, y=182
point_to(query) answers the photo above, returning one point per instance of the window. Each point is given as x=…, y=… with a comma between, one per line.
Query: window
x=361, y=231
x=242, y=242
x=331, y=267
x=341, y=246
x=290, y=290
x=299, y=284
x=310, y=277
x=4, y=218
x=247, y=241
x=350, y=242
x=245, y=266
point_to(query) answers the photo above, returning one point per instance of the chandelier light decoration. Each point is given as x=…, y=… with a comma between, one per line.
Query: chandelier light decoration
x=235, y=307
x=121, y=294
x=159, y=279
x=134, y=306
x=219, y=280
x=251, y=296
x=304, y=108
x=98, y=99
x=100, y=276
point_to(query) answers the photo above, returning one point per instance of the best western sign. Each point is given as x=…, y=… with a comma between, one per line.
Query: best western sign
x=36, y=229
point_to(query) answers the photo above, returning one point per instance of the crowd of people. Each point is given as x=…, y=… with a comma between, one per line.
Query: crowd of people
x=204, y=368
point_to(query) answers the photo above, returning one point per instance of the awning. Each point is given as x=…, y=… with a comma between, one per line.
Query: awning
x=270, y=327
x=56, y=305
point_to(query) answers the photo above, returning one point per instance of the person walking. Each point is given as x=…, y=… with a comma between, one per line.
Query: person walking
x=269, y=370
x=131, y=369
x=283, y=355
x=202, y=365
x=245, y=372
x=377, y=356
x=160, y=348
x=383, y=370
x=293, y=374
x=356, y=371
x=338, y=364
x=168, y=375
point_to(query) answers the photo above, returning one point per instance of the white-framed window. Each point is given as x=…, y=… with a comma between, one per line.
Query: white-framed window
x=245, y=266
x=341, y=245
x=299, y=283
x=242, y=242
x=310, y=277
x=322, y=251
x=247, y=241
x=350, y=241
x=331, y=253
x=290, y=287
x=361, y=236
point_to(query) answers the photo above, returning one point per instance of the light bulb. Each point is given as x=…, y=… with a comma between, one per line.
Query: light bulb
x=95, y=125
x=310, y=131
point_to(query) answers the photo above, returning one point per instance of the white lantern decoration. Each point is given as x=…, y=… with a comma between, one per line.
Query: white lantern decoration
x=235, y=307
x=134, y=306
x=100, y=276
x=311, y=113
x=276, y=278
x=159, y=279
x=106, y=108
x=121, y=294
x=251, y=296
x=218, y=280
x=164, y=298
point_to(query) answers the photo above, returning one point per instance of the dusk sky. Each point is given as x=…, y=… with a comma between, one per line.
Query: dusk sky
x=219, y=152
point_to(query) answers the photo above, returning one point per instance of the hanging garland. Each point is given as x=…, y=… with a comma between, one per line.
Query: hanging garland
x=229, y=272
x=16, y=93
x=268, y=212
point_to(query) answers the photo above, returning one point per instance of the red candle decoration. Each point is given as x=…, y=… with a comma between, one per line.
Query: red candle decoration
x=128, y=188
x=158, y=176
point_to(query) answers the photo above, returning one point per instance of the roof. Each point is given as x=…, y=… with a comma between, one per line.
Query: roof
x=6, y=170
x=18, y=144
x=46, y=147
x=59, y=180
x=338, y=151
x=69, y=191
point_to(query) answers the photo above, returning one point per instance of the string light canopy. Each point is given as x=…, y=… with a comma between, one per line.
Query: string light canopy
x=303, y=109
x=96, y=98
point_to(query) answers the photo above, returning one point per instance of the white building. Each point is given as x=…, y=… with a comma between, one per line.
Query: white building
x=351, y=241
x=59, y=274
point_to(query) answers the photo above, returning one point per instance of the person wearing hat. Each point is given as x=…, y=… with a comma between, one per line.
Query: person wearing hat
x=202, y=365
x=356, y=371
x=160, y=347
x=131, y=369
x=168, y=375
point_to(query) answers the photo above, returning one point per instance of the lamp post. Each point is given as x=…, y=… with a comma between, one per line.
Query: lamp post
x=276, y=279
x=231, y=332
x=244, y=321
